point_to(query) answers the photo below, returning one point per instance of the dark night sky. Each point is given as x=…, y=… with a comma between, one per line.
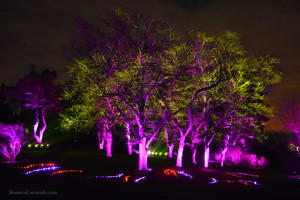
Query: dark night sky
x=38, y=31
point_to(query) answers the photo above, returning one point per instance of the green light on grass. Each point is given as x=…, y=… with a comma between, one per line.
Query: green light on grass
x=47, y=145
x=42, y=145
x=160, y=153
x=29, y=145
x=155, y=153
x=36, y=145
x=166, y=154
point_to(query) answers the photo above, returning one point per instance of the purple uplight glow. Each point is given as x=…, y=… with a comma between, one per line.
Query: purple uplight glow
x=185, y=174
x=42, y=169
x=139, y=179
x=107, y=177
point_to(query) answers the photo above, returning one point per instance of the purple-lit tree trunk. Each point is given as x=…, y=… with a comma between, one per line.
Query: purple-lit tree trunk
x=208, y=142
x=194, y=155
x=39, y=138
x=170, y=144
x=224, y=150
x=180, y=150
x=129, y=143
x=36, y=125
x=100, y=141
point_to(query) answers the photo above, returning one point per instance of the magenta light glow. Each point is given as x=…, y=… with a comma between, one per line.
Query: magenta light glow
x=42, y=169
x=107, y=177
x=185, y=174
x=213, y=181
x=139, y=179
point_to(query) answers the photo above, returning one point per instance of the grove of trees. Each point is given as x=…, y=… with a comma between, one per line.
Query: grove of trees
x=142, y=75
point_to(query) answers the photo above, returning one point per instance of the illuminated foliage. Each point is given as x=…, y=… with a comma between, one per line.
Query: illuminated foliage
x=13, y=138
x=37, y=92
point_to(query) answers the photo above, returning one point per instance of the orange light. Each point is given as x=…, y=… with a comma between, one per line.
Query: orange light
x=127, y=178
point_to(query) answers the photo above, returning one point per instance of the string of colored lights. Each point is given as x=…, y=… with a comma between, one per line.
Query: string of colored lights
x=233, y=174
x=294, y=177
x=170, y=172
x=157, y=153
x=35, y=165
x=38, y=145
x=213, y=181
x=138, y=179
x=245, y=182
x=248, y=181
x=116, y=176
x=245, y=174
x=185, y=174
x=42, y=169
x=66, y=171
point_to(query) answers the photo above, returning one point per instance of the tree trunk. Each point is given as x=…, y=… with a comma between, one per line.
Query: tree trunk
x=143, y=154
x=171, y=147
x=108, y=140
x=44, y=127
x=206, y=156
x=100, y=141
x=129, y=144
x=194, y=156
x=180, y=151
x=36, y=125
x=223, y=154
x=224, y=151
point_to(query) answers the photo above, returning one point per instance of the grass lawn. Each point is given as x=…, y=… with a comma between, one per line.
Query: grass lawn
x=94, y=163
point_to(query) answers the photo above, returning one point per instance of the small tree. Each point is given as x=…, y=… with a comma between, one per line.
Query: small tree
x=13, y=138
x=37, y=92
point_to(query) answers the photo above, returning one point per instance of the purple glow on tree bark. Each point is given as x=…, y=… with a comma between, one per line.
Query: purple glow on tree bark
x=143, y=155
x=223, y=154
x=180, y=152
x=42, y=129
x=108, y=144
x=100, y=141
x=129, y=144
x=206, y=157
x=171, y=147
x=194, y=156
x=35, y=126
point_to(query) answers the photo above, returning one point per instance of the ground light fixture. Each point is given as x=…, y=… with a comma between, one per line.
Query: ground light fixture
x=38, y=146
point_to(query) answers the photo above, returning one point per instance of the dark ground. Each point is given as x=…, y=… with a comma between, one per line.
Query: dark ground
x=77, y=186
